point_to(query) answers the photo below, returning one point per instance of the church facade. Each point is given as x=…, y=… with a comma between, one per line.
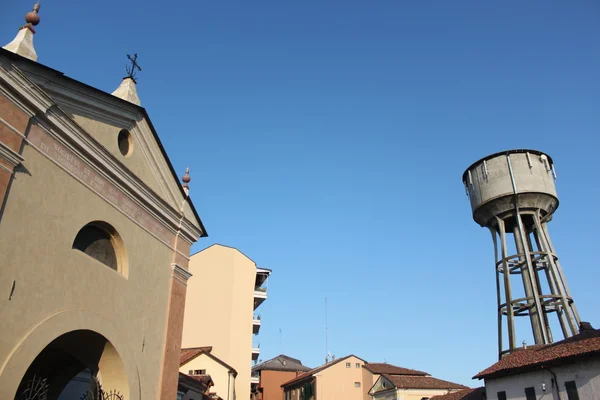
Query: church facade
x=95, y=237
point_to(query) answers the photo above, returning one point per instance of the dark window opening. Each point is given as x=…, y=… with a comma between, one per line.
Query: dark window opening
x=124, y=141
x=571, y=390
x=502, y=395
x=530, y=393
x=97, y=243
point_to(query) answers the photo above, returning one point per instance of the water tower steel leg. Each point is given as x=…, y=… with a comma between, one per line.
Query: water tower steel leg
x=552, y=276
x=539, y=333
x=549, y=303
x=493, y=231
x=572, y=314
x=528, y=285
x=510, y=318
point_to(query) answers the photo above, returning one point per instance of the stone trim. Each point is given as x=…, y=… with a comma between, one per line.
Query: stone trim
x=12, y=128
x=181, y=274
x=9, y=155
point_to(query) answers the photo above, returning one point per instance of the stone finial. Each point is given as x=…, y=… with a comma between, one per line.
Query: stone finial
x=186, y=178
x=22, y=44
x=127, y=91
x=32, y=17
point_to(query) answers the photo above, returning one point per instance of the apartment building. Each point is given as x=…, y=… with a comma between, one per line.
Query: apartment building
x=221, y=306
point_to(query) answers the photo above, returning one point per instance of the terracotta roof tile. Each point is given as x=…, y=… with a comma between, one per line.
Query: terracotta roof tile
x=203, y=378
x=192, y=352
x=467, y=394
x=585, y=343
x=421, y=382
x=385, y=368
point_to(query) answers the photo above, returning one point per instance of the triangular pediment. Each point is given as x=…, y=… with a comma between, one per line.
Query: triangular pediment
x=381, y=385
x=105, y=120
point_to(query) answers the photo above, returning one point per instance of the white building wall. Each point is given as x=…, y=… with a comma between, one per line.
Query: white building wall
x=586, y=375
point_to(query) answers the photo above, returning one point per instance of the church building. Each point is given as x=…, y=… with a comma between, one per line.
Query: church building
x=95, y=236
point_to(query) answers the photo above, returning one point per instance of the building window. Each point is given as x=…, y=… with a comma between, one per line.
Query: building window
x=356, y=384
x=530, y=393
x=125, y=142
x=197, y=372
x=100, y=241
x=357, y=365
x=501, y=395
x=348, y=365
x=571, y=390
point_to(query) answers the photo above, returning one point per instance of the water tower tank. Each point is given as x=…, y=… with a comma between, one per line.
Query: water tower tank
x=513, y=194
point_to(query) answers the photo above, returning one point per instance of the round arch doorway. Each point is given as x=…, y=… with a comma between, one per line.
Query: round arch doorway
x=81, y=364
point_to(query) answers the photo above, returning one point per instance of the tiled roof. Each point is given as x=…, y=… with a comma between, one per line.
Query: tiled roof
x=385, y=368
x=421, y=382
x=192, y=352
x=585, y=343
x=318, y=369
x=467, y=394
x=281, y=363
x=203, y=378
x=199, y=383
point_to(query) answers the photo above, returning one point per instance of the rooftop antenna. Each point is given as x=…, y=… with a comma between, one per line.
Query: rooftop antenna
x=280, y=340
x=326, y=339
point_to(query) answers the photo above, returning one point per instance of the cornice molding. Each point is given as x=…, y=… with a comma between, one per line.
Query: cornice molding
x=29, y=91
x=181, y=274
x=7, y=154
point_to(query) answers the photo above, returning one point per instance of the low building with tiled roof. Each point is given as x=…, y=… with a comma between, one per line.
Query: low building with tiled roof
x=568, y=369
x=201, y=365
x=411, y=387
x=466, y=394
x=268, y=376
x=342, y=379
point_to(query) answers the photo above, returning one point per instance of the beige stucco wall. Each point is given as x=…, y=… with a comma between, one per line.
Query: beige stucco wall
x=337, y=381
x=223, y=382
x=219, y=309
x=586, y=375
x=58, y=289
x=106, y=133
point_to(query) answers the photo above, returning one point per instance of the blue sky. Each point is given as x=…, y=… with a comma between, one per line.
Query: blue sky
x=327, y=139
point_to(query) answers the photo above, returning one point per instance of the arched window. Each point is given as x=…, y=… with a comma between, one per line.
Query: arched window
x=100, y=241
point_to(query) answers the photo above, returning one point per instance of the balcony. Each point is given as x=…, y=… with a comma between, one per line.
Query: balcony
x=255, y=351
x=256, y=324
x=255, y=378
x=260, y=295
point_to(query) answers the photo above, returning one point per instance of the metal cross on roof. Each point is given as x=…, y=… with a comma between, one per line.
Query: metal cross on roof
x=131, y=68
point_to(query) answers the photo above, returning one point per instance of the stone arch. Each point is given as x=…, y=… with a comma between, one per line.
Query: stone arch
x=62, y=339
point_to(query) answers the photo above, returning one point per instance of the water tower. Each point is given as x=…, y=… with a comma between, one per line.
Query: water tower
x=513, y=195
